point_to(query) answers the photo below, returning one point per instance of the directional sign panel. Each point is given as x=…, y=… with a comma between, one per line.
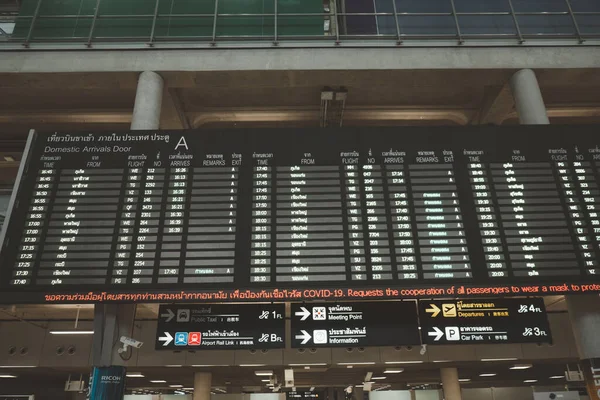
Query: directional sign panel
x=484, y=321
x=302, y=395
x=221, y=326
x=378, y=323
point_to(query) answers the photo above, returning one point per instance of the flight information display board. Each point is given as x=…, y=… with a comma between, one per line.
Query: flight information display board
x=301, y=214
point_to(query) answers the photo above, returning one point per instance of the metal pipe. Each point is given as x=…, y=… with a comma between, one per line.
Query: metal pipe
x=154, y=23
x=33, y=20
x=275, y=22
x=337, y=24
x=512, y=11
x=214, y=32
x=399, y=40
x=581, y=40
x=93, y=27
x=460, y=39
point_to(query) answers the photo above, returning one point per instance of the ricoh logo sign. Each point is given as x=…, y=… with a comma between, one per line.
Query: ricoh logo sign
x=111, y=379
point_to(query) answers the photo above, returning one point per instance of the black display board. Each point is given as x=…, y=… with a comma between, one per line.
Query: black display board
x=489, y=321
x=292, y=214
x=220, y=327
x=303, y=395
x=355, y=324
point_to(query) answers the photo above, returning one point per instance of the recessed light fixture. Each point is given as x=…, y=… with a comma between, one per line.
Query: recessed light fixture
x=377, y=378
x=158, y=381
x=500, y=359
x=358, y=363
x=7, y=376
x=404, y=362
x=557, y=377
x=72, y=332
x=175, y=386
x=265, y=380
x=134, y=375
x=486, y=375
x=530, y=381
x=307, y=364
x=208, y=365
x=521, y=366
x=464, y=380
x=393, y=371
x=441, y=361
x=252, y=365
x=174, y=366
x=18, y=366
x=263, y=373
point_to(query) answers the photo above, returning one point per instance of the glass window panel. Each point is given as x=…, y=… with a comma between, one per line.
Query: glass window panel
x=470, y=6
x=167, y=26
x=246, y=26
x=586, y=6
x=540, y=5
x=300, y=25
x=427, y=25
x=385, y=23
x=424, y=6
x=589, y=24
x=545, y=24
x=487, y=24
x=360, y=24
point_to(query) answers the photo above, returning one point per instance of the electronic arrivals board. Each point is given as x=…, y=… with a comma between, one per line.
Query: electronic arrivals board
x=299, y=214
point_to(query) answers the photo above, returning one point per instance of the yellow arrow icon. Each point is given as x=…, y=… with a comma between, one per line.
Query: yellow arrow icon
x=434, y=310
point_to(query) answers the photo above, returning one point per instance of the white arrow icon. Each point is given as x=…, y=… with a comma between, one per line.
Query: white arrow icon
x=437, y=333
x=168, y=316
x=304, y=313
x=166, y=339
x=305, y=337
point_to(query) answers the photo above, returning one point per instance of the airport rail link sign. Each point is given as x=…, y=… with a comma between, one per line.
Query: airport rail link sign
x=489, y=321
x=303, y=214
x=220, y=327
x=355, y=324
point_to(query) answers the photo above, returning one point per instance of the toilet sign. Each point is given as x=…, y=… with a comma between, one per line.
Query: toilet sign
x=484, y=321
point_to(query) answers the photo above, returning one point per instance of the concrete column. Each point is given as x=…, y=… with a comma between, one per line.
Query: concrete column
x=528, y=98
x=584, y=312
x=450, y=384
x=202, y=384
x=148, y=102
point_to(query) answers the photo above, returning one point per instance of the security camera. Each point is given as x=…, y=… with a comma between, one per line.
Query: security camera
x=423, y=350
x=127, y=341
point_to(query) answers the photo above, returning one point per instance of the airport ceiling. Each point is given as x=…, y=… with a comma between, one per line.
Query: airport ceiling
x=104, y=101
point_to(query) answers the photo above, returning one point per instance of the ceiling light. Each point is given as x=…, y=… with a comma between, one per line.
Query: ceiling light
x=173, y=366
x=265, y=380
x=158, y=381
x=263, y=373
x=252, y=365
x=441, y=361
x=134, y=375
x=393, y=371
x=404, y=362
x=464, y=380
x=9, y=158
x=530, y=381
x=307, y=364
x=358, y=363
x=71, y=332
x=349, y=366
x=7, y=376
x=377, y=378
x=209, y=365
x=500, y=359
x=188, y=388
x=176, y=386
x=359, y=386
x=521, y=366
x=485, y=375
x=557, y=376
x=18, y=366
